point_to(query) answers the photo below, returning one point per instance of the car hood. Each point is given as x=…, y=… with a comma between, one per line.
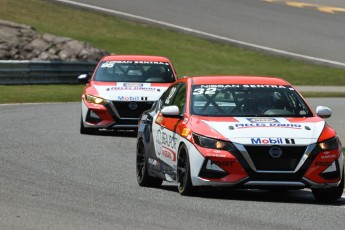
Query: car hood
x=131, y=91
x=280, y=131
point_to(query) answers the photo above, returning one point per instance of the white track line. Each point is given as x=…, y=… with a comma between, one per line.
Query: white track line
x=205, y=34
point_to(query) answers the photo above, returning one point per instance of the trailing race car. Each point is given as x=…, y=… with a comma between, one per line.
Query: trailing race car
x=121, y=88
x=240, y=132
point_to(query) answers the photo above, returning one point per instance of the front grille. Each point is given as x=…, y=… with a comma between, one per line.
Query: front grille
x=124, y=110
x=288, y=161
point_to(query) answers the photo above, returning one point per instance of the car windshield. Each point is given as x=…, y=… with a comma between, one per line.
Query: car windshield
x=248, y=101
x=134, y=71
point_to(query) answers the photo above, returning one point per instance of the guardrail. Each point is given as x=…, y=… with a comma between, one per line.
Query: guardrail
x=43, y=72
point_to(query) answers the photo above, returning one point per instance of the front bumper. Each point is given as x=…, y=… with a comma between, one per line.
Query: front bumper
x=114, y=114
x=310, y=168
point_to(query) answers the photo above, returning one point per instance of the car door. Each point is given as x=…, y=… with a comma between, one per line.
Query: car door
x=166, y=139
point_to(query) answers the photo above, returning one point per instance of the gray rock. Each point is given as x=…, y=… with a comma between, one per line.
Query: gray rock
x=5, y=54
x=73, y=47
x=4, y=46
x=38, y=45
x=22, y=42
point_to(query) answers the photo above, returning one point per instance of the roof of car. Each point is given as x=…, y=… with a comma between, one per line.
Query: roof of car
x=135, y=58
x=250, y=80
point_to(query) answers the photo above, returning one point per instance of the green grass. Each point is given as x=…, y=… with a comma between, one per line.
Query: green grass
x=323, y=94
x=190, y=55
x=40, y=93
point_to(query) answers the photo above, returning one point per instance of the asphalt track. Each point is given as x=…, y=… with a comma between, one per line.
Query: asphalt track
x=52, y=177
x=306, y=29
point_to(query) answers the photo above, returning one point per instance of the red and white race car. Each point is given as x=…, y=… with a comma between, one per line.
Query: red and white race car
x=121, y=88
x=240, y=132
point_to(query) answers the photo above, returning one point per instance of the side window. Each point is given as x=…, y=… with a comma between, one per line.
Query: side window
x=180, y=98
x=169, y=95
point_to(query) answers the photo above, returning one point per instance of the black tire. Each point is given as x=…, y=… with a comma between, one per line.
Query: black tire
x=184, y=181
x=143, y=177
x=84, y=130
x=329, y=194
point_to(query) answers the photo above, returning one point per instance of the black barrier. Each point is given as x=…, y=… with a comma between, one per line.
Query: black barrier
x=43, y=72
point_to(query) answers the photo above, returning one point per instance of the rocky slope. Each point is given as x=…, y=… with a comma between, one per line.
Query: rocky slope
x=22, y=42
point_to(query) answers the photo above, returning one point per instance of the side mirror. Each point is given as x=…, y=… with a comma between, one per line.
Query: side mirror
x=171, y=111
x=84, y=78
x=323, y=111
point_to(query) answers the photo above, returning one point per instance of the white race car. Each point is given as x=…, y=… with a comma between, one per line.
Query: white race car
x=239, y=132
x=121, y=88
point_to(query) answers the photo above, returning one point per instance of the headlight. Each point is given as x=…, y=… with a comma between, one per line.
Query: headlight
x=95, y=100
x=211, y=143
x=330, y=144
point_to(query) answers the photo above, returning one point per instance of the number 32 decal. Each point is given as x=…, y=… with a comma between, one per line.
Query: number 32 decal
x=209, y=91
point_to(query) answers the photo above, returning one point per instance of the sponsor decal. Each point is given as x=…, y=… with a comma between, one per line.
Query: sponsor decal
x=208, y=91
x=110, y=64
x=216, y=154
x=168, y=153
x=141, y=127
x=272, y=125
x=166, y=139
x=159, y=119
x=131, y=98
x=185, y=121
x=114, y=88
x=133, y=85
x=151, y=62
x=262, y=120
x=244, y=86
x=159, y=140
x=185, y=132
x=332, y=156
x=272, y=141
x=223, y=163
x=289, y=141
x=323, y=163
x=211, y=89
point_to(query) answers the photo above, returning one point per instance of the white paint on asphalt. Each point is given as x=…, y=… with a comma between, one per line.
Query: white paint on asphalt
x=209, y=35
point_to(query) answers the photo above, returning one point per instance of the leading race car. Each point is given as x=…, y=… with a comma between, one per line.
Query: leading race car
x=240, y=132
x=121, y=88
